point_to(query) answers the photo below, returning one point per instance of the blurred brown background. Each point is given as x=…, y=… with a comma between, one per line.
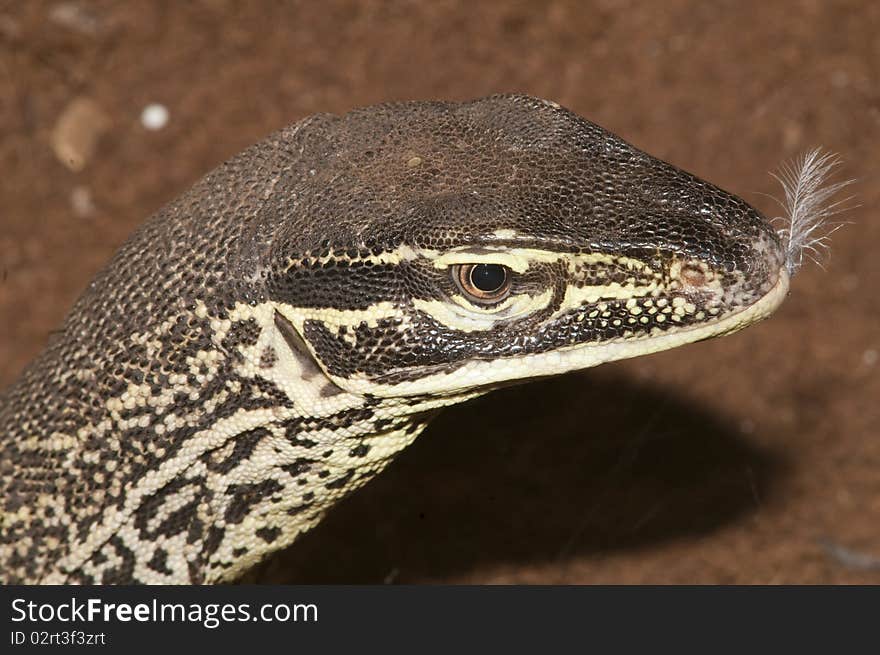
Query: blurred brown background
x=753, y=458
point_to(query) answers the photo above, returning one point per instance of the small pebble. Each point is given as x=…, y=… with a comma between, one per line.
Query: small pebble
x=77, y=131
x=154, y=116
x=81, y=202
x=77, y=18
x=869, y=357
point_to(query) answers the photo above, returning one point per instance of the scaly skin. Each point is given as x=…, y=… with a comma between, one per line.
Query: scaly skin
x=267, y=342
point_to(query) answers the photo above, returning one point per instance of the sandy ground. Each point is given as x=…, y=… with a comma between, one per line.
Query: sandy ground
x=750, y=459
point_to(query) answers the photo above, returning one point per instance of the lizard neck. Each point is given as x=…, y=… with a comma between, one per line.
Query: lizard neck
x=195, y=469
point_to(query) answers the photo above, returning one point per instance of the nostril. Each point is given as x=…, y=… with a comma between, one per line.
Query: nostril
x=692, y=276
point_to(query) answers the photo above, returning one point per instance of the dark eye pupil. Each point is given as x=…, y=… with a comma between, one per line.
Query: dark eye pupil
x=488, y=277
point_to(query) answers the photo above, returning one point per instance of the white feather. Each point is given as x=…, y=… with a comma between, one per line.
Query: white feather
x=808, y=206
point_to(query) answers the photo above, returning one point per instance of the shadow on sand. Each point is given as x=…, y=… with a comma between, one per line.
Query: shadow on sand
x=577, y=465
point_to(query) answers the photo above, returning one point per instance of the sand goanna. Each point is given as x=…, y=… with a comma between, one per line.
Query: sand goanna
x=268, y=341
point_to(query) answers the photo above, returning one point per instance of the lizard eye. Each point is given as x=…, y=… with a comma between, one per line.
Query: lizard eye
x=483, y=283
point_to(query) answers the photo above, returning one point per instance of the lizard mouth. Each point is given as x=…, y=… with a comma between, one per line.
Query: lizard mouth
x=766, y=304
x=775, y=289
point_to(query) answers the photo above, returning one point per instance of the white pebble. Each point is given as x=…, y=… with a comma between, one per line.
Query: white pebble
x=154, y=116
x=870, y=356
x=81, y=201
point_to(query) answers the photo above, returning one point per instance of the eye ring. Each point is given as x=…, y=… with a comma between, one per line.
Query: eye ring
x=483, y=284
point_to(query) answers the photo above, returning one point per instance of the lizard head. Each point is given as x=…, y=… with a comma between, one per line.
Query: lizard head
x=437, y=248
